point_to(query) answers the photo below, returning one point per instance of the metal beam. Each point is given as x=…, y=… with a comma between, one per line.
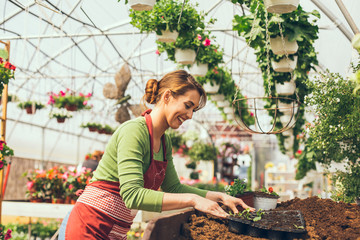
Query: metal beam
x=347, y=16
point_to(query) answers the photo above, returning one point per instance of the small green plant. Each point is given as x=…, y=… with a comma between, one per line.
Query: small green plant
x=61, y=114
x=90, y=125
x=270, y=191
x=250, y=216
x=236, y=187
x=298, y=227
x=30, y=104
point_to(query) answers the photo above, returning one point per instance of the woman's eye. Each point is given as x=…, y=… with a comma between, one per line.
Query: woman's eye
x=187, y=106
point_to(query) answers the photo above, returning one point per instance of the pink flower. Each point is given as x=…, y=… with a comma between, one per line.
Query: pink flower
x=157, y=52
x=65, y=176
x=71, y=169
x=85, y=102
x=1, y=164
x=71, y=186
x=30, y=185
x=88, y=95
x=81, y=94
x=251, y=114
x=61, y=93
x=207, y=42
x=2, y=143
x=8, y=234
x=199, y=37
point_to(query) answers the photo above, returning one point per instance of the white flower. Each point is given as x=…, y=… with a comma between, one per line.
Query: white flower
x=337, y=99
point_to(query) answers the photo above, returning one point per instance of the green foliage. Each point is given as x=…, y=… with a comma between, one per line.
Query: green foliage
x=251, y=216
x=306, y=161
x=202, y=151
x=91, y=125
x=69, y=98
x=191, y=165
x=296, y=26
x=42, y=229
x=165, y=16
x=29, y=104
x=61, y=114
x=5, y=151
x=6, y=73
x=194, y=175
x=176, y=139
x=347, y=184
x=237, y=187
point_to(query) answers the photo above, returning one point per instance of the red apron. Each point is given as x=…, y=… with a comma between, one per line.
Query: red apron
x=100, y=212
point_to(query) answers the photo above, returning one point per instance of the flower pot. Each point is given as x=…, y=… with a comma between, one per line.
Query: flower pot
x=287, y=120
x=101, y=131
x=280, y=47
x=142, y=5
x=92, y=129
x=286, y=108
x=288, y=133
x=217, y=97
x=211, y=89
x=248, y=199
x=289, y=142
x=265, y=203
x=284, y=65
x=60, y=119
x=223, y=104
x=71, y=108
x=285, y=89
x=281, y=6
x=72, y=201
x=167, y=36
x=29, y=110
x=228, y=110
x=57, y=200
x=36, y=200
x=185, y=56
x=199, y=69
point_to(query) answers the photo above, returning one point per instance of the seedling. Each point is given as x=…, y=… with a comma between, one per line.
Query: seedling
x=298, y=227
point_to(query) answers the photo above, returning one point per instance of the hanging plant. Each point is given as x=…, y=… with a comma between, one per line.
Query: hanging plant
x=31, y=106
x=296, y=26
x=93, y=127
x=5, y=151
x=165, y=17
x=6, y=73
x=69, y=100
x=60, y=116
x=202, y=151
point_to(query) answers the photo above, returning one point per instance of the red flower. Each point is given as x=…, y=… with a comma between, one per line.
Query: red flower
x=299, y=152
x=215, y=50
x=207, y=42
x=271, y=189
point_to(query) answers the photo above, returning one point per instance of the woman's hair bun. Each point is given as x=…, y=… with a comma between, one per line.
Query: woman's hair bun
x=151, y=91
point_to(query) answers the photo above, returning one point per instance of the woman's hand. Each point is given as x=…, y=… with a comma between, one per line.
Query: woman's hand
x=209, y=206
x=228, y=200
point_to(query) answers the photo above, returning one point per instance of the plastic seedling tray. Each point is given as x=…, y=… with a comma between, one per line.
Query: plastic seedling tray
x=287, y=224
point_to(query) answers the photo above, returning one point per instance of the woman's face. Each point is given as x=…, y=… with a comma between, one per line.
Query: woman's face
x=180, y=108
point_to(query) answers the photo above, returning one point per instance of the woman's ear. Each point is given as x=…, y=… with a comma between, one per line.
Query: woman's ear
x=167, y=94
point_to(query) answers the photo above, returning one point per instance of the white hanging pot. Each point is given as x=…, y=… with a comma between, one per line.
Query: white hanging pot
x=167, y=36
x=185, y=56
x=284, y=65
x=223, y=104
x=228, y=110
x=285, y=120
x=286, y=108
x=289, y=142
x=285, y=89
x=280, y=47
x=288, y=133
x=281, y=6
x=211, y=89
x=217, y=97
x=142, y=5
x=199, y=69
x=265, y=203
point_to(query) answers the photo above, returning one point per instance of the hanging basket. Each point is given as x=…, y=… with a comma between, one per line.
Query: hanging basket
x=284, y=65
x=252, y=108
x=285, y=89
x=60, y=120
x=217, y=97
x=211, y=89
x=142, y=5
x=30, y=110
x=185, y=56
x=281, y=6
x=199, y=69
x=167, y=36
x=280, y=47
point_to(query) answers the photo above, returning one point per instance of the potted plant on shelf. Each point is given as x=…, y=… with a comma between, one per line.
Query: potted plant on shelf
x=60, y=116
x=57, y=180
x=5, y=151
x=164, y=19
x=265, y=199
x=239, y=189
x=6, y=73
x=93, y=127
x=76, y=180
x=69, y=100
x=31, y=106
x=36, y=183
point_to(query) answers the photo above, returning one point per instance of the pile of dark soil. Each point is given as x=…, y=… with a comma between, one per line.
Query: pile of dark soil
x=324, y=219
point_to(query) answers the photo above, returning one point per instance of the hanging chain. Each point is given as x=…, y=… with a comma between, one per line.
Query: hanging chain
x=267, y=46
x=247, y=51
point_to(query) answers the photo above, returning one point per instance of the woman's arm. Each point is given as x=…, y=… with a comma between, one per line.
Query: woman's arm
x=227, y=200
x=173, y=201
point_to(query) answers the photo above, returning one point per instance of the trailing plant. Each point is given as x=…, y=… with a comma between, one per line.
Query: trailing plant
x=90, y=125
x=5, y=151
x=69, y=98
x=6, y=73
x=165, y=16
x=296, y=26
x=30, y=104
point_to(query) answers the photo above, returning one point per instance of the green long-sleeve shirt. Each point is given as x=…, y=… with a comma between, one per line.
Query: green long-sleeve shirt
x=126, y=159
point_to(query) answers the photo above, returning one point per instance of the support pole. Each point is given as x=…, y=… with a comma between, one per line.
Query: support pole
x=347, y=16
x=3, y=126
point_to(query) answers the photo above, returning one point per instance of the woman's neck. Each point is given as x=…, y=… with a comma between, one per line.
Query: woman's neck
x=158, y=122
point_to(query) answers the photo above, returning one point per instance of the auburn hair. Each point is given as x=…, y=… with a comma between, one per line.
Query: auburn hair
x=178, y=82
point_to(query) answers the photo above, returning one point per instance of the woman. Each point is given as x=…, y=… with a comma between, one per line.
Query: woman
x=137, y=161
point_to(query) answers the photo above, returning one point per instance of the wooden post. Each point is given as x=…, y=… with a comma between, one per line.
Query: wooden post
x=3, y=124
